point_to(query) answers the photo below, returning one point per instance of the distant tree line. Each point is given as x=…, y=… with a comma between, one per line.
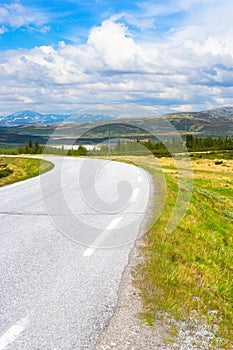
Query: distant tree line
x=81, y=151
x=134, y=147
x=164, y=149
x=36, y=148
x=31, y=149
x=208, y=143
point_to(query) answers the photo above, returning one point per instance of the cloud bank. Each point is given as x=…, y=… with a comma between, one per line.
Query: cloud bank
x=187, y=67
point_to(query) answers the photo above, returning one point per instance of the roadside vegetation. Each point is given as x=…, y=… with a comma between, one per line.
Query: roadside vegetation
x=36, y=148
x=134, y=147
x=189, y=272
x=164, y=149
x=14, y=169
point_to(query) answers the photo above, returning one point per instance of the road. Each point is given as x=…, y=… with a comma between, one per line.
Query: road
x=65, y=240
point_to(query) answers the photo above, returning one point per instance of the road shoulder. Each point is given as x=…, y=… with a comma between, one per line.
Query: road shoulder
x=125, y=330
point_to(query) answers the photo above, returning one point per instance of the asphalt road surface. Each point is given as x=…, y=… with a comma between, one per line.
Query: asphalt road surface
x=65, y=240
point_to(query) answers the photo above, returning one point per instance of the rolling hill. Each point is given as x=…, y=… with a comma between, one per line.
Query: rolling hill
x=19, y=127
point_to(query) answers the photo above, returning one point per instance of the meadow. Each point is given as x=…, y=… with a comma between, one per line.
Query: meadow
x=189, y=272
x=14, y=169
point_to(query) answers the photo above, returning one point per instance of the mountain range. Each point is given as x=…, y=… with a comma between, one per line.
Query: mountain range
x=222, y=115
x=34, y=118
x=19, y=127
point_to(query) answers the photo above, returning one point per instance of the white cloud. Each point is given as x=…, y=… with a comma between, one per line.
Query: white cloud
x=114, y=46
x=15, y=16
x=191, y=69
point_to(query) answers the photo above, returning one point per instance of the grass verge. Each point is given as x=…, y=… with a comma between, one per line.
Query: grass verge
x=190, y=271
x=18, y=169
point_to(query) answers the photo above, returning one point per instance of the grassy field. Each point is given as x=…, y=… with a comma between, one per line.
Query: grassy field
x=18, y=169
x=190, y=271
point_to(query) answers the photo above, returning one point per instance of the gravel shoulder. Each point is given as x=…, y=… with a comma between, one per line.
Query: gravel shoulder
x=126, y=330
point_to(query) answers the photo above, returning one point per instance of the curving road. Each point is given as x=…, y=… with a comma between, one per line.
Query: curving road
x=65, y=240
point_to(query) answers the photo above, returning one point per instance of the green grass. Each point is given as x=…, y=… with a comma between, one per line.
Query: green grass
x=23, y=168
x=191, y=269
x=222, y=191
x=215, y=155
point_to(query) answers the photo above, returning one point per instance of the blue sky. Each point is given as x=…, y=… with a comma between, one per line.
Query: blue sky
x=30, y=23
x=56, y=56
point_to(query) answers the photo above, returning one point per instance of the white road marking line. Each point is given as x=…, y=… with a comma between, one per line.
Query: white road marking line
x=134, y=194
x=97, y=242
x=89, y=251
x=139, y=179
x=13, y=332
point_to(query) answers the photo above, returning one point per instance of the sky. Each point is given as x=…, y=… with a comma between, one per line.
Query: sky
x=58, y=56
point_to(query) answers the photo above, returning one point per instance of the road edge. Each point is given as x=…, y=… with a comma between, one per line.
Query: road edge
x=125, y=329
